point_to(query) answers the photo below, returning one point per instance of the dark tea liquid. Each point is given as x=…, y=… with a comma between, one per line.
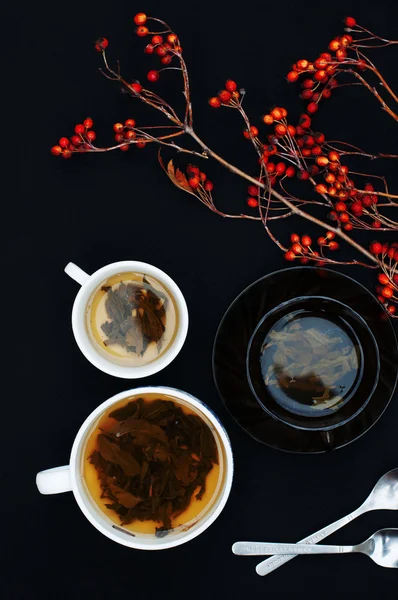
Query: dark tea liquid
x=194, y=509
x=311, y=364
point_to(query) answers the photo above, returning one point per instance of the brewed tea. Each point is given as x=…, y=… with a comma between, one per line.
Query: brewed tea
x=310, y=364
x=152, y=465
x=132, y=319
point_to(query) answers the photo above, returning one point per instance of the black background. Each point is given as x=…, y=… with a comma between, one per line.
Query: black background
x=94, y=210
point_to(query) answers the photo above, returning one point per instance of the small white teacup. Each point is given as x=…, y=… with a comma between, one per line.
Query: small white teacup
x=70, y=477
x=98, y=355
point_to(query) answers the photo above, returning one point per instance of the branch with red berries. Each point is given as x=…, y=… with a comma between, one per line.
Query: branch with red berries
x=284, y=150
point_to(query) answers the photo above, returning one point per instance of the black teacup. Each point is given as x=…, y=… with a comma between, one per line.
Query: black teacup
x=312, y=363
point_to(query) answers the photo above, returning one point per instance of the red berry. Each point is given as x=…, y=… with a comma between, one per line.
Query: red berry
x=194, y=182
x=140, y=18
x=119, y=137
x=333, y=246
x=149, y=49
x=382, y=277
x=306, y=240
x=124, y=148
x=302, y=64
x=130, y=135
x=253, y=132
x=303, y=175
x=64, y=142
x=292, y=76
x=268, y=119
x=290, y=171
x=118, y=127
x=277, y=113
x=321, y=188
x=290, y=255
x=91, y=135
x=348, y=226
x=341, y=206
x=141, y=144
x=391, y=309
x=224, y=96
x=252, y=202
x=208, y=186
x=280, y=129
x=319, y=75
x=161, y=51
x=166, y=60
x=252, y=190
x=356, y=208
x=297, y=249
x=387, y=292
x=307, y=84
x=56, y=150
x=88, y=123
x=101, y=44
x=307, y=94
x=172, y=38
x=322, y=161
x=230, y=85
x=137, y=87
x=157, y=39
x=153, y=76
x=334, y=45
x=215, y=102
x=376, y=248
x=294, y=238
x=350, y=21
x=130, y=123
x=141, y=31
x=280, y=168
x=312, y=107
x=79, y=129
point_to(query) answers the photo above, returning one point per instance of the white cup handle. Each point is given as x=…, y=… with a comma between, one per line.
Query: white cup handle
x=54, y=481
x=76, y=273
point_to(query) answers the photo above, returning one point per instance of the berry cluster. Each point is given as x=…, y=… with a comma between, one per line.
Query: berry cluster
x=320, y=75
x=230, y=95
x=301, y=248
x=388, y=289
x=126, y=133
x=165, y=49
x=81, y=141
x=197, y=179
x=285, y=150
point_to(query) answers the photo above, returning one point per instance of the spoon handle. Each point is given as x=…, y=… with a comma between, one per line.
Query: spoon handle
x=271, y=564
x=256, y=548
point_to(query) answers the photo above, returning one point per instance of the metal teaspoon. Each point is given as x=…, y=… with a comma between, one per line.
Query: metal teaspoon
x=384, y=496
x=381, y=547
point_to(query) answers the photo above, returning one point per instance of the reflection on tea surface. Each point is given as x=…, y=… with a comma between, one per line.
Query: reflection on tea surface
x=132, y=319
x=310, y=364
x=152, y=465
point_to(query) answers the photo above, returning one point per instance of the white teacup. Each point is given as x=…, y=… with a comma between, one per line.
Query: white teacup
x=91, y=283
x=70, y=477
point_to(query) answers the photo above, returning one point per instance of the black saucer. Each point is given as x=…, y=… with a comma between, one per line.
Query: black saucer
x=237, y=327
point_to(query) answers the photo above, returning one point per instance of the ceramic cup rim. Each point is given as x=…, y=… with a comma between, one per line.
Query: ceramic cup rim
x=86, y=504
x=79, y=320
x=293, y=301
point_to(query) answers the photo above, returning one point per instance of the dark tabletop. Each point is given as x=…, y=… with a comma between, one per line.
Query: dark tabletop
x=94, y=210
